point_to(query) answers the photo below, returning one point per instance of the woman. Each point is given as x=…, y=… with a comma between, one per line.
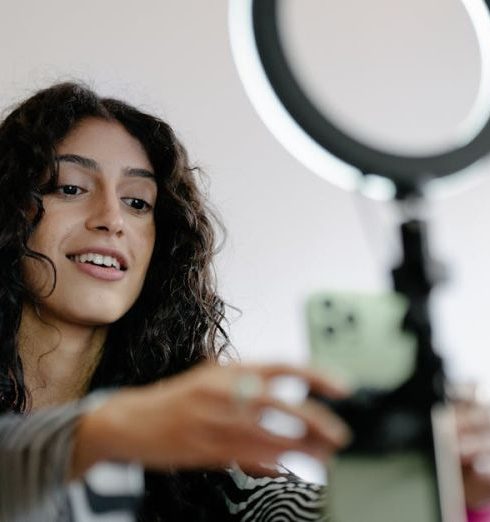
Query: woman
x=106, y=249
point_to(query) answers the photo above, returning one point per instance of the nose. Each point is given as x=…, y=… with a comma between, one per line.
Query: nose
x=106, y=214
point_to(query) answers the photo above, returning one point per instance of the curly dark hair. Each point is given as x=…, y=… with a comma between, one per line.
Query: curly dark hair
x=178, y=319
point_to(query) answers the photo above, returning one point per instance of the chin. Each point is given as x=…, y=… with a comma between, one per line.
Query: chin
x=97, y=320
x=86, y=306
x=98, y=316
x=99, y=313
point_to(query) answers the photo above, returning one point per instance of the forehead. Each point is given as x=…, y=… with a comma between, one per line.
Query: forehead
x=107, y=142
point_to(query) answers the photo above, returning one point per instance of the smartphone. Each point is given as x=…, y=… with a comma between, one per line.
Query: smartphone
x=360, y=338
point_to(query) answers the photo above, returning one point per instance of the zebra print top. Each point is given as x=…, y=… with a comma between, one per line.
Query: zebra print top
x=281, y=499
x=34, y=459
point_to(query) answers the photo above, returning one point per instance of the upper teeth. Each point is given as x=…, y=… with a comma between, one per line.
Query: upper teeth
x=97, y=259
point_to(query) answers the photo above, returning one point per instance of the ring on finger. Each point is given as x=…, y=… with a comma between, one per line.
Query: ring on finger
x=248, y=387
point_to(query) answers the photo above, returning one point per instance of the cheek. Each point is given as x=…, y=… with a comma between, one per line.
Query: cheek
x=45, y=239
x=39, y=242
x=47, y=235
x=145, y=244
x=37, y=274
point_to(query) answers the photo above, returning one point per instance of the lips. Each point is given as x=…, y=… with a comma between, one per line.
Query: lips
x=100, y=256
x=104, y=273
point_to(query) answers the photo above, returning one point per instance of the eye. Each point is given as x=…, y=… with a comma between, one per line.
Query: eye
x=140, y=205
x=69, y=190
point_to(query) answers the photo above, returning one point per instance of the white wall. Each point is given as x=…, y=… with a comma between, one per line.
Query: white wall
x=290, y=233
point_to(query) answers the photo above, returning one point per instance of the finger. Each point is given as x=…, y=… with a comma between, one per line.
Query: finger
x=270, y=448
x=250, y=442
x=290, y=427
x=318, y=419
x=273, y=468
x=462, y=392
x=477, y=488
x=256, y=469
x=279, y=429
x=481, y=468
x=472, y=418
x=473, y=447
x=319, y=383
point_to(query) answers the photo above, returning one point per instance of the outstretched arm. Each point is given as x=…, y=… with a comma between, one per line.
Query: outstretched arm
x=194, y=420
x=191, y=421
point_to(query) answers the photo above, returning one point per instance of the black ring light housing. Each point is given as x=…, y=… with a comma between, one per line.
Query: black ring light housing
x=409, y=173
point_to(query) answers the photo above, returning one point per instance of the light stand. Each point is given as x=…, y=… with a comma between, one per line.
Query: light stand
x=403, y=420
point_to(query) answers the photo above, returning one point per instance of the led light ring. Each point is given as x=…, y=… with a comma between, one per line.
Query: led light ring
x=319, y=144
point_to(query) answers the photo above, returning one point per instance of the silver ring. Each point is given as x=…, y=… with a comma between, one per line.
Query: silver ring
x=247, y=387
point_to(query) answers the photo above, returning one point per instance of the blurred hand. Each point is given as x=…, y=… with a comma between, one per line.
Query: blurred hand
x=473, y=425
x=208, y=417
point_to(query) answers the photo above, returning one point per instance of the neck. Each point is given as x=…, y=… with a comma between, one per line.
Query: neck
x=58, y=358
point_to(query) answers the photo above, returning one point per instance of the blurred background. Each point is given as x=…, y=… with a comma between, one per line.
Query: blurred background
x=290, y=233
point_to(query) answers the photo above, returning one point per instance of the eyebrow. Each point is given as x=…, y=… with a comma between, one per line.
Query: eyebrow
x=91, y=164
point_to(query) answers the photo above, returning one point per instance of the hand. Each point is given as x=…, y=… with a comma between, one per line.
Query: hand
x=473, y=426
x=196, y=420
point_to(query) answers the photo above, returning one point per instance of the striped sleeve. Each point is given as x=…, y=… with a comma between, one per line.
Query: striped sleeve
x=109, y=492
x=35, y=453
x=285, y=498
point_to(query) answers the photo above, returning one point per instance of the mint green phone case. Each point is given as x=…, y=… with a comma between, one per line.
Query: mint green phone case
x=358, y=336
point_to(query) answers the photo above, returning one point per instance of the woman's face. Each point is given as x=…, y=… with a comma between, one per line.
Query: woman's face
x=98, y=227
